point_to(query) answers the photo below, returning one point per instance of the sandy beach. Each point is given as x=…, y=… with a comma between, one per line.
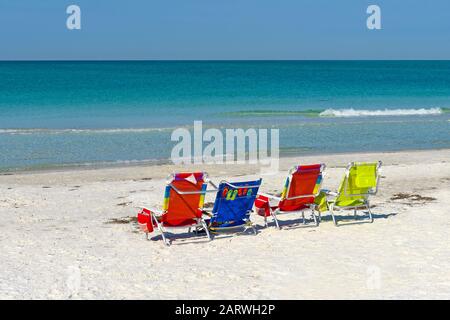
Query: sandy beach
x=72, y=234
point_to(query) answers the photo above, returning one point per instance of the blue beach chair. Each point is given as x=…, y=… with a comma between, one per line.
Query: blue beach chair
x=233, y=205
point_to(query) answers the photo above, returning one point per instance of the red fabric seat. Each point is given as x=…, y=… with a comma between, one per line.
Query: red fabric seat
x=183, y=203
x=299, y=194
x=179, y=223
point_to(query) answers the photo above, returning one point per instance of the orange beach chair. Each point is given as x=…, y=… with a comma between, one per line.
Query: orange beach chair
x=183, y=206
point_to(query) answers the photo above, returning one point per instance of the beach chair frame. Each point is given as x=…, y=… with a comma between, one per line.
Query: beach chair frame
x=366, y=204
x=199, y=223
x=313, y=207
x=249, y=224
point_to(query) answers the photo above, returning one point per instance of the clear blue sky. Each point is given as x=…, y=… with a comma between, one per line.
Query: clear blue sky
x=224, y=29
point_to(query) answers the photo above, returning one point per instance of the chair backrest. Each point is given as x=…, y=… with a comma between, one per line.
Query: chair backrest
x=184, y=197
x=360, y=181
x=234, y=200
x=301, y=187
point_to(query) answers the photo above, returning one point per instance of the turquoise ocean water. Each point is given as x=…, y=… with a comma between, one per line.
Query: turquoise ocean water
x=88, y=113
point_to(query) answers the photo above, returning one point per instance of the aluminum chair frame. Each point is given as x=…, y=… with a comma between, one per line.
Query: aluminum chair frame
x=249, y=224
x=366, y=203
x=311, y=206
x=200, y=222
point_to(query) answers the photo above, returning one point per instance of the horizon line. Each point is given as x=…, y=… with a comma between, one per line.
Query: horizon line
x=206, y=60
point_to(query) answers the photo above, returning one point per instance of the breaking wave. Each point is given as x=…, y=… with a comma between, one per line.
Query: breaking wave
x=350, y=112
x=385, y=112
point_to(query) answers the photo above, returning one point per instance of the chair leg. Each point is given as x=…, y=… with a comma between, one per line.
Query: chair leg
x=303, y=217
x=166, y=241
x=206, y=230
x=316, y=222
x=265, y=222
x=332, y=215
x=274, y=216
x=161, y=230
x=370, y=212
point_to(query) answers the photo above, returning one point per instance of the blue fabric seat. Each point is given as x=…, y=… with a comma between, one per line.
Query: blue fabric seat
x=233, y=205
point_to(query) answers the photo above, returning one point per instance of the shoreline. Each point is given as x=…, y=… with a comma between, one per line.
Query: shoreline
x=134, y=164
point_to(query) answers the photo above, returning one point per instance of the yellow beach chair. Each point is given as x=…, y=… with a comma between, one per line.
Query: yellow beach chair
x=360, y=182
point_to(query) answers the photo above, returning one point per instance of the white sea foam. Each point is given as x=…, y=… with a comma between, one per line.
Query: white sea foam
x=79, y=131
x=385, y=112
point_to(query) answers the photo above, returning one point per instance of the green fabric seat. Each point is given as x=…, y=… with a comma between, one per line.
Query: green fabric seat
x=357, y=185
x=360, y=181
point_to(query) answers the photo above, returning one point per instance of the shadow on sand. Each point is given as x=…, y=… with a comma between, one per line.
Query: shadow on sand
x=200, y=237
x=348, y=220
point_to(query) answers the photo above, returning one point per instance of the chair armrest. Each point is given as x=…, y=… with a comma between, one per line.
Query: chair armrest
x=330, y=193
x=207, y=212
x=153, y=210
x=270, y=196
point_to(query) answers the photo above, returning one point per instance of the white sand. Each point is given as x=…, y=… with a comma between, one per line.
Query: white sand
x=56, y=242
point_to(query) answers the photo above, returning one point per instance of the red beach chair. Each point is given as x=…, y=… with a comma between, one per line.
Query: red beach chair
x=299, y=193
x=183, y=206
